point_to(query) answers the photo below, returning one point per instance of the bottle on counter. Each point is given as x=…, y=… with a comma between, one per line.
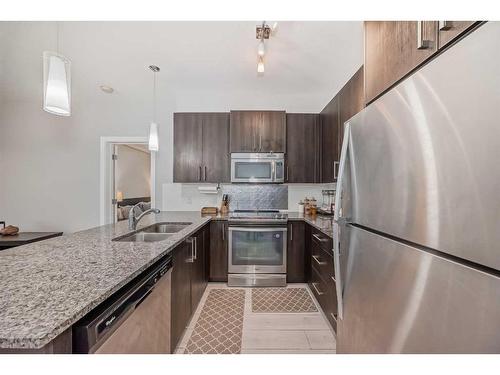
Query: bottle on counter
x=313, y=208
x=300, y=207
x=307, y=206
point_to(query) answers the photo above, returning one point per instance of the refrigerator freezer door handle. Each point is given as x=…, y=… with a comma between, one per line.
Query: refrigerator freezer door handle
x=338, y=220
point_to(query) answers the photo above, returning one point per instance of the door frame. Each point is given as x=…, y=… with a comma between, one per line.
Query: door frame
x=105, y=167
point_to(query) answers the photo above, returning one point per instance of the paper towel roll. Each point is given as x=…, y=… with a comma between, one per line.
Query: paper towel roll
x=208, y=189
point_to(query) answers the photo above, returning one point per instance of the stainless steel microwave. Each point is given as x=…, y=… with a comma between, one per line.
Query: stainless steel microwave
x=258, y=167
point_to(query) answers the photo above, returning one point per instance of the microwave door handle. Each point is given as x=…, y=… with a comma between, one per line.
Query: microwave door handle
x=337, y=218
x=273, y=172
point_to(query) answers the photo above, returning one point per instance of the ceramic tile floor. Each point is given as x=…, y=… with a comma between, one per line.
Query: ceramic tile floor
x=275, y=333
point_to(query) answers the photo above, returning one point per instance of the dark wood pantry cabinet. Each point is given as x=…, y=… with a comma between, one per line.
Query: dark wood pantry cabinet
x=450, y=30
x=218, y=251
x=257, y=131
x=351, y=101
x=393, y=49
x=329, y=148
x=302, y=144
x=201, y=147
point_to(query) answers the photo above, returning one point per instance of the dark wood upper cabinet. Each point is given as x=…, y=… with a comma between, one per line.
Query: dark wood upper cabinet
x=188, y=152
x=351, y=101
x=302, y=143
x=243, y=131
x=393, y=49
x=201, y=147
x=295, y=257
x=329, y=148
x=272, y=131
x=216, y=160
x=257, y=131
x=449, y=30
x=218, y=251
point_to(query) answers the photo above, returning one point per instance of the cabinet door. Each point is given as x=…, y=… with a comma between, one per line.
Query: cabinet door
x=218, y=251
x=295, y=256
x=216, y=147
x=352, y=100
x=188, y=147
x=198, y=279
x=302, y=144
x=392, y=51
x=181, y=292
x=243, y=131
x=449, y=30
x=329, y=119
x=272, y=131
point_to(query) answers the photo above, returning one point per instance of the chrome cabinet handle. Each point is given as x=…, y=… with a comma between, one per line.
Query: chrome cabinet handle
x=445, y=25
x=291, y=232
x=319, y=292
x=287, y=172
x=260, y=141
x=223, y=232
x=421, y=42
x=195, y=242
x=199, y=173
x=335, y=165
x=316, y=258
x=334, y=317
x=191, y=241
x=319, y=238
x=205, y=172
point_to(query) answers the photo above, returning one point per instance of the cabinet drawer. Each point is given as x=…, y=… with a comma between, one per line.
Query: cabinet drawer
x=322, y=262
x=319, y=288
x=322, y=240
x=325, y=294
x=330, y=309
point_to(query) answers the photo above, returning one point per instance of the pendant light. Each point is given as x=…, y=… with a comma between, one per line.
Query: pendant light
x=56, y=82
x=153, y=144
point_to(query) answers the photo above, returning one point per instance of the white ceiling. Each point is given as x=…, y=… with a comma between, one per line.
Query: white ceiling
x=306, y=58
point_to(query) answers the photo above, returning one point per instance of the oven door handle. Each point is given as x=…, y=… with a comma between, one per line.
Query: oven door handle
x=253, y=228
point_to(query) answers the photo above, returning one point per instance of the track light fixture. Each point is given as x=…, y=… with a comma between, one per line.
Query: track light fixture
x=262, y=32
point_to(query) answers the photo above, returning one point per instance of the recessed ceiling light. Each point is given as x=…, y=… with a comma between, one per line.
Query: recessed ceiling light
x=107, y=89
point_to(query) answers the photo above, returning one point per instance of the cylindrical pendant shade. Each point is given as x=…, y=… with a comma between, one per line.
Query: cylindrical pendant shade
x=56, y=84
x=153, y=137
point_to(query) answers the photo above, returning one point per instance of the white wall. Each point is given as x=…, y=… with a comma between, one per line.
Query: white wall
x=49, y=165
x=132, y=172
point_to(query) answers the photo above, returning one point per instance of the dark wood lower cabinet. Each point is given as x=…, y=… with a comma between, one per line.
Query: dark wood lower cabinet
x=295, y=257
x=181, y=292
x=320, y=272
x=218, y=251
x=189, y=280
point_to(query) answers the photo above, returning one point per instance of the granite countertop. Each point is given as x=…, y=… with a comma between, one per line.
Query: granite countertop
x=47, y=286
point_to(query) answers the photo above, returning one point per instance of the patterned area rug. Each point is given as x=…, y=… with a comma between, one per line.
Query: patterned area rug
x=220, y=325
x=282, y=300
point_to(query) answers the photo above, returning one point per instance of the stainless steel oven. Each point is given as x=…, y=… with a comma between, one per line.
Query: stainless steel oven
x=257, y=255
x=258, y=167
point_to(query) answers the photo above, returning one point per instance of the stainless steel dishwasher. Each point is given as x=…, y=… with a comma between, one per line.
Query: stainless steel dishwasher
x=134, y=321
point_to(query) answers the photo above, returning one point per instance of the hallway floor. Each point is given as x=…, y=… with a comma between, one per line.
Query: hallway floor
x=226, y=322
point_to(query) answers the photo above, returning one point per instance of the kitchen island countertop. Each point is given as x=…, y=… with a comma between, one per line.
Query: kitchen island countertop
x=47, y=286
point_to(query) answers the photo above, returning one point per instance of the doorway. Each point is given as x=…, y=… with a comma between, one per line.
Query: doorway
x=127, y=177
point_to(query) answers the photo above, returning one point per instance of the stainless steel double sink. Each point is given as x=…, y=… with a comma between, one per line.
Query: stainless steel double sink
x=153, y=233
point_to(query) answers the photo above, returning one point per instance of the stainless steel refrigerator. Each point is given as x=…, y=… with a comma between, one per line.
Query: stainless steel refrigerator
x=417, y=233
